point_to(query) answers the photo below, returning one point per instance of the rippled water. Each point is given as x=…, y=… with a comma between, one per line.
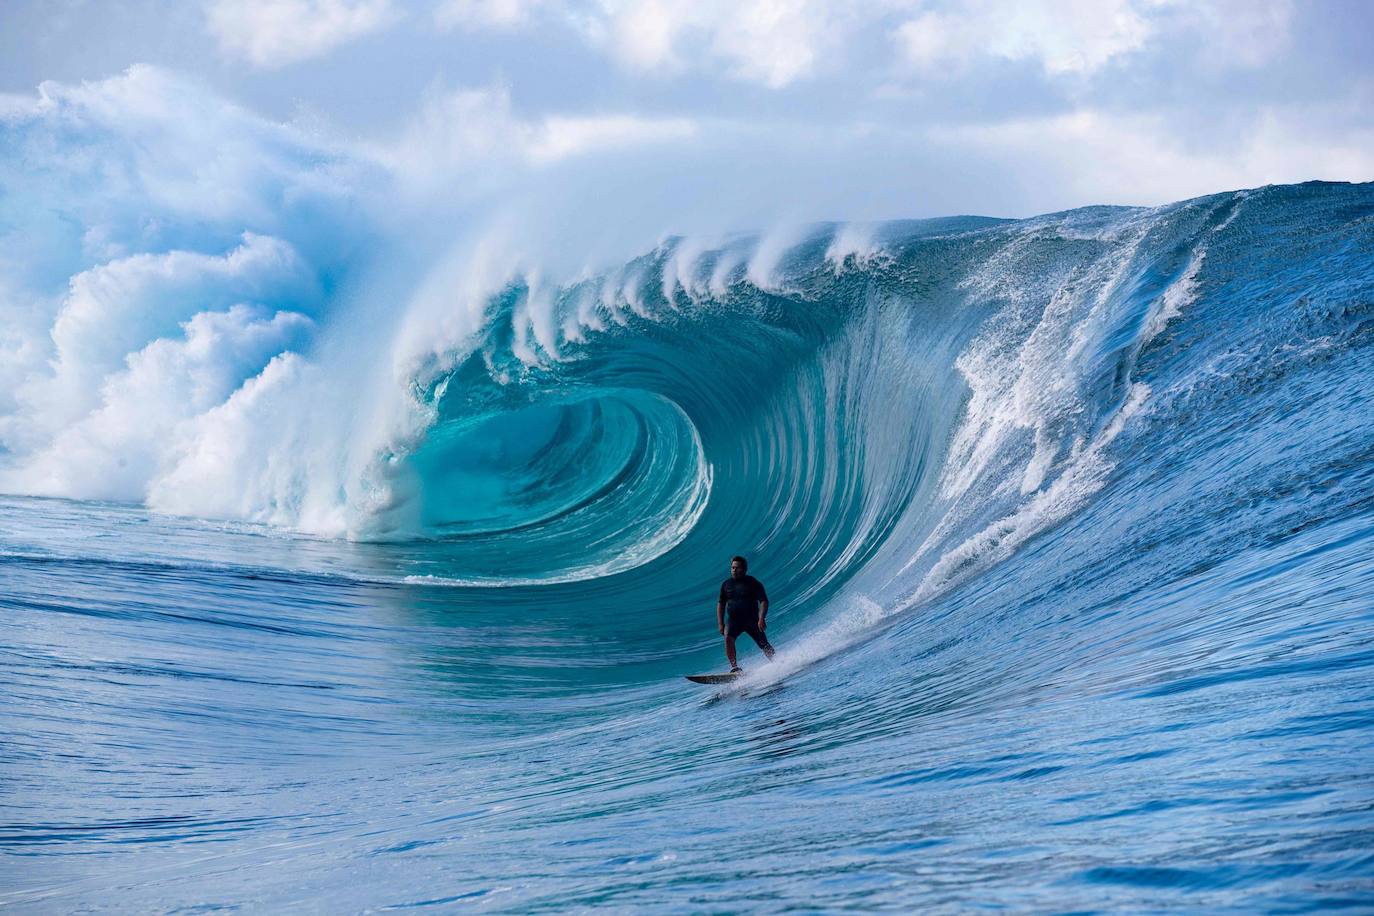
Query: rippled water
x=211, y=734
x=1068, y=528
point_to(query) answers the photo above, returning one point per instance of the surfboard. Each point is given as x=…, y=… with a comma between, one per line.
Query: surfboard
x=714, y=678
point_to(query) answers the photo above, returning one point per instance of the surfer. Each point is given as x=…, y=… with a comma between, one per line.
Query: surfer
x=742, y=608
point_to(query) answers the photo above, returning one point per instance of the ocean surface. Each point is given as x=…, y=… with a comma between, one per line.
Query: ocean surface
x=1067, y=522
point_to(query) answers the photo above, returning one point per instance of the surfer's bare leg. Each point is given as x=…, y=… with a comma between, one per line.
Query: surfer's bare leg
x=730, y=651
x=764, y=644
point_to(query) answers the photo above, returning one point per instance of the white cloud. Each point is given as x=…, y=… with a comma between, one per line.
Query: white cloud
x=1083, y=36
x=773, y=42
x=1100, y=157
x=273, y=33
x=776, y=43
x=1063, y=36
x=498, y=14
x=456, y=133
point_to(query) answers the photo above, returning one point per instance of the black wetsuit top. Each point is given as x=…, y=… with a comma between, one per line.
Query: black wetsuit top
x=742, y=596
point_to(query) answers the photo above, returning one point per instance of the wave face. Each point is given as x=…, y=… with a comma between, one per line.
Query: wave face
x=1066, y=521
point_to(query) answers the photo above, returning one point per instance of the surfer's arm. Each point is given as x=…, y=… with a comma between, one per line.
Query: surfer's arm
x=720, y=610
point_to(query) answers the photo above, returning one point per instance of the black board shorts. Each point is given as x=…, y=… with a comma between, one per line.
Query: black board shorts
x=748, y=622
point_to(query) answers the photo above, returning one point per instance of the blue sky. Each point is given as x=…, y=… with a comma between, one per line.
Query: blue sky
x=780, y=109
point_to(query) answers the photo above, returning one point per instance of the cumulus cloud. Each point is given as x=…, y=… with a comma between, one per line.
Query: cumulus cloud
x=274, y=33
x=457, y=132
x=773, y=42
x=779, y=43
x=499, y=14
x=1065, y=37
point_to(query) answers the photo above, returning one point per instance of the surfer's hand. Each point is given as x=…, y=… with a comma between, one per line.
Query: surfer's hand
x=762, y=624
x=721, y=627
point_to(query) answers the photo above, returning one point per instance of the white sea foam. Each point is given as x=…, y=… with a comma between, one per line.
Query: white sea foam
x=852, y=244
x=1084, y=474
x=1179, y=295
x=850, y=619
x=764, y=265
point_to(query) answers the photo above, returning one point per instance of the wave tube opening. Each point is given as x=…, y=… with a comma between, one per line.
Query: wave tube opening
x=558, y=489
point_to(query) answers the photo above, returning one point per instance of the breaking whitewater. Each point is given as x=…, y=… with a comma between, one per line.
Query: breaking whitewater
x=349, y=574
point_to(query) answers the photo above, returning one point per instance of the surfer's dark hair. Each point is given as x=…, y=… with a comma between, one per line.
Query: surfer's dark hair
x=741, y=561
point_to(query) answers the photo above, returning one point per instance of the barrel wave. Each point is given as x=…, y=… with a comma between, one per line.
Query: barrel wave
x=1066, y=522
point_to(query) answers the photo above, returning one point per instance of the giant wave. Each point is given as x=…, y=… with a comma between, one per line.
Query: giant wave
x=873, y=411
x=1066, y=521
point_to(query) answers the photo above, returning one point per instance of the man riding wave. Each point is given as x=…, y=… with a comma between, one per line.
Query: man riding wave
x=742, y=608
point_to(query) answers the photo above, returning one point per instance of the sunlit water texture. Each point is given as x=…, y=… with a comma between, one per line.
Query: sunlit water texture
x=1067, y=522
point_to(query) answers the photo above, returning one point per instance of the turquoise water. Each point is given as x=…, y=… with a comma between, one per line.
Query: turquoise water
x=1067, y=524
